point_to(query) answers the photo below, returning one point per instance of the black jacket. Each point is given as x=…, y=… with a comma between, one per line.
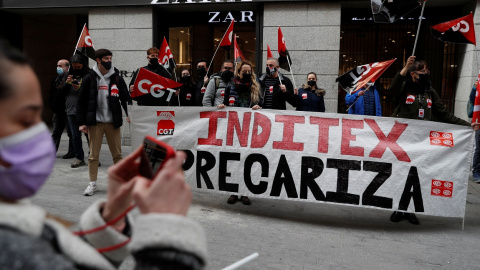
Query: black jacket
x=57, y=95
x=279, y=97
x=87, y=100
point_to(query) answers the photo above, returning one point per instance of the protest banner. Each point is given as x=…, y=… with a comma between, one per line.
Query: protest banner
x=383, y=163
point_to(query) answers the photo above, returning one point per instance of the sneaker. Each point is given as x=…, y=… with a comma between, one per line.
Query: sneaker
x=68, y=156
x=232, y=199
x=245, y=200
x=91, y=188
x=396, y=216
x=77, y=163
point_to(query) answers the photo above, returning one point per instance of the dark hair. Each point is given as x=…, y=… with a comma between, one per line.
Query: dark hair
x=201, y=60
x=80, y=59
x=152, y=50
x=228, y=61
x=100, y=53
x=417, y=65
x=8, y=55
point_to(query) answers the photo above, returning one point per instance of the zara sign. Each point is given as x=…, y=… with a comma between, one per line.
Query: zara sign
x=219, y=17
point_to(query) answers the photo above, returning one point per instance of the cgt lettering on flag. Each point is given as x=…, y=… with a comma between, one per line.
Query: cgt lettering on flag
x=461, y=30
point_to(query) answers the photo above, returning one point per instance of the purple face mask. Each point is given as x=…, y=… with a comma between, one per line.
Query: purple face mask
x=31, y=154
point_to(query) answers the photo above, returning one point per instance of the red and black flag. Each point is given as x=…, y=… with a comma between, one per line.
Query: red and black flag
x=237, y=54
x=284, y=59
x=476, y=105
x=165, y=57
x=461, y=30
x=149, y=86
x=388, y=11
x=226, y=41
x=85, y=44
x=269, y=52
x=356, y=78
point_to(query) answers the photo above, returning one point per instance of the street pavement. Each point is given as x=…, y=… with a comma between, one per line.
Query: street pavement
x=294, y=235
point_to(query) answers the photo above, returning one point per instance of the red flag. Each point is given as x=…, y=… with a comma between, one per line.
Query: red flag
x=165, y=57
x=476, y=106
x=227, y=38
x=461, y=30
x=282, y=47
x=148, y=82
x=237, y=54
x=85, y=44
x=269, y=52
x=356, y=78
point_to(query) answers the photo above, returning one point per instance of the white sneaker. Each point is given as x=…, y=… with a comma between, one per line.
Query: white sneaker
x=91, y=188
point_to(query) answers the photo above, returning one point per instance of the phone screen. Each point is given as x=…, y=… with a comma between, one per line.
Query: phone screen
x=156, y=153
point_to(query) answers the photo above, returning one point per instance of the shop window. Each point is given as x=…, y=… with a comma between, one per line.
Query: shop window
x=180, y=43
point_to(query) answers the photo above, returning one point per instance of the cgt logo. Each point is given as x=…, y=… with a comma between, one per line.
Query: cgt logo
x=165, y=125
x=155, y=89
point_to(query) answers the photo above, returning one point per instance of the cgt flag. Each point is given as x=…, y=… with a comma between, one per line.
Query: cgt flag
x=166, y=57
x=355, y=79
x=269, y=52
x=284, y=59
x=85, y=44
x=237, y=54
x=149, y=83
x=388, y=11
x=461, y=30
x=476, y=106
x=227, y=38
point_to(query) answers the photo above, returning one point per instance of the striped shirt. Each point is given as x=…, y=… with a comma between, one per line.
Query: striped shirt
x=269, y=84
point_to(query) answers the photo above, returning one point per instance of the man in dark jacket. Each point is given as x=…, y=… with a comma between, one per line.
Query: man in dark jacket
x=99, y=111
x=201, y=84
x=276, y=88
x=57, y=104
x=155, y=67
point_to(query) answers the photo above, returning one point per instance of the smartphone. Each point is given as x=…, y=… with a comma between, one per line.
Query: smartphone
x=155, y=154
x=74, y=82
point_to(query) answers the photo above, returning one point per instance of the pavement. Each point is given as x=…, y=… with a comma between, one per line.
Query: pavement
x=294, y=235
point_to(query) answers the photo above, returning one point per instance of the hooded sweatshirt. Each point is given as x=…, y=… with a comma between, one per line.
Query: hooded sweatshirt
x=104, y=114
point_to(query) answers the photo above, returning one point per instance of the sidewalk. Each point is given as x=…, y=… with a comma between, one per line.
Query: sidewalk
x=295, y=235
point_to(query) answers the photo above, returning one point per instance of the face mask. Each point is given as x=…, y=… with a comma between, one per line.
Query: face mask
x=186, y=78
x=107, y=65
x=201, y=72
x=153, y=61
x=271, y=71
x=247, y=78
x=60, y=71
x=227, y=75
x=311, y=83
x=424, y=80
x=31, y=154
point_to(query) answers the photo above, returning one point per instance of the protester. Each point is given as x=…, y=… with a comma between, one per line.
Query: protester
x=200, y=85
x=417, y=99
x=364, y=102
x=243, y=92
x=155, y=67
x=310, y=97
x=99, y=111
x=183, y=96
x=216, y=86
x=57, y=104
x=163, y=237
x=476, y=153
x=74, y=80
x=276, y=88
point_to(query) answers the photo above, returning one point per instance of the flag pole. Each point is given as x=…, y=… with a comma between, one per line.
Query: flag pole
x=211, y=61
x=348, y=109
x=418, y=29
x=75, y=51
x=293, y=78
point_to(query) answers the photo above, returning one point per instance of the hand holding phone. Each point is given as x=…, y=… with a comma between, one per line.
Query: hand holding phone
x=154, y=156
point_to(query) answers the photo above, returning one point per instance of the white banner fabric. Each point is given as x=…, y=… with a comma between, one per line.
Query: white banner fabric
x=383, y=163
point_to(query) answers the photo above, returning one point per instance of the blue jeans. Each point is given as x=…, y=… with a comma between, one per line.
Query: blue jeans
x=476, y=158
x=76, y=137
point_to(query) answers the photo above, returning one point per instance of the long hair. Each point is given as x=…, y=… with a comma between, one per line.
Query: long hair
x=255, y=89
x=318, y=91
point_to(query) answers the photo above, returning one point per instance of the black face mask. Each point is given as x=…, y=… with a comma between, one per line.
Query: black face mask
x=153, y=61
x=271, y=71
x=424, y=81
x=107, y=65
x=185, y=78
x=311, y=83
x=201, y=72
x=247, y=78
x=227, y=75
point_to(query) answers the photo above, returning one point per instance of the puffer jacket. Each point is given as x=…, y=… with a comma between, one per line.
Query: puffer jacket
x=87, y=100
x=409, y=104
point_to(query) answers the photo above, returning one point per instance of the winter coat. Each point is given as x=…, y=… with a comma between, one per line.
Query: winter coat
x=149, y=100
x=197, y=93
x=57, y=94
x=241, y=96
x=359, y=105
x=279, y=97
x=213, y=94
x=30, y=239
x=409, y=104
x=87, y=100
x=308, y=100
x=185, y=96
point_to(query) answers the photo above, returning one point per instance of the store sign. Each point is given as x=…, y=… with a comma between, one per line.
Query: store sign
x=197, y=1
x=220, y=17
